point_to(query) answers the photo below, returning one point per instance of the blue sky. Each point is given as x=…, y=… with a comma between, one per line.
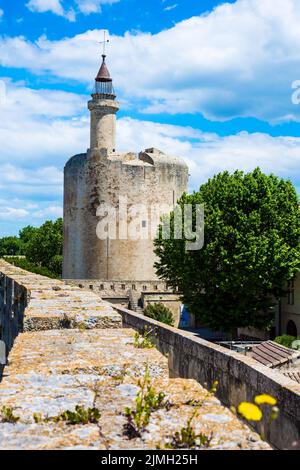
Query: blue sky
x=208, y=80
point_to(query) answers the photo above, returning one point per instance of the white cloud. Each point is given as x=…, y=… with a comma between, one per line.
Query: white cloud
x=52, y=212
x=45, y=176
x=41, y=129
x=53, y=6
x=93, y=6
x=41, y=125
x=15, y=214
x=41, y=102
x=207, y=154
x=42, y=6
x=12, y=213
x=171, y=7
x=1, y=14
x=238, y=60
x=57, y=7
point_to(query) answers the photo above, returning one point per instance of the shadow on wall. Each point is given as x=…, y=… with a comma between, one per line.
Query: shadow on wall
x=13, y=301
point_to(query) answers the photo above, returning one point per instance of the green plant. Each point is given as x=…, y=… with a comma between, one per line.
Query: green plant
x=7, y=415
x=55, y=264
x=10, y=246
x=187, y=438
x=44, y=244
x=42, y=247
x=143, y=341
x=147, y=401
x=38, y=418
x=286, y=340
x=81, y=415
x=82, y=326
x=250, y=251
x=159, y=312
x=120, y=376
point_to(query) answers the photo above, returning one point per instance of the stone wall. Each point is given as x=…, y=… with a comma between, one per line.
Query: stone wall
x=99, y=179
x=119, y=289
x=291, y=312
x=240, y=378
x=13, y=302
x=142, y=292
x=30, y=302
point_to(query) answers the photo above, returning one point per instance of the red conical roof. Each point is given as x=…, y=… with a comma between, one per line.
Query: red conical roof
x=103, y=74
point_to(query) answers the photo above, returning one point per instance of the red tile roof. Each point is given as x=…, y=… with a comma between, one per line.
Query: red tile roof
x=103, y=74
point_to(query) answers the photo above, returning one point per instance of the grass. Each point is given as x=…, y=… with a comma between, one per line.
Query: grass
x=147, y=401
x=80, y=415
x=143, y=341
x=7, y=415
x=187, y=438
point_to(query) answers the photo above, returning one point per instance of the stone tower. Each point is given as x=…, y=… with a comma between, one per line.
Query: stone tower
x=103, y=108
x=134, y=184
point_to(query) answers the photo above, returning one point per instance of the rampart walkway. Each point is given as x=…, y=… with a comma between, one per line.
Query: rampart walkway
x=75, y=352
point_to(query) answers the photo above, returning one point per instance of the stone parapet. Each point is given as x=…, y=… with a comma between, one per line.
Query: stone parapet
x=240, y=377
x=32, y=302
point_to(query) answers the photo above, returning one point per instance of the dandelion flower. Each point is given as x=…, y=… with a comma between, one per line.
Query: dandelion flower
x=250, y=411
x=265, y=400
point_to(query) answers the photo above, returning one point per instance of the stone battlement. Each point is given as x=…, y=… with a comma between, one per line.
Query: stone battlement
x=74, y=344
x=32, y=302
x=56, y=369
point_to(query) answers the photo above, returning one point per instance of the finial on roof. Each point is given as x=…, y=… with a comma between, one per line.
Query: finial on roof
x=105, y=40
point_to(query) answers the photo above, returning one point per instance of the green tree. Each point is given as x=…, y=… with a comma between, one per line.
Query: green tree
x=251, y=249
x=26, y=233
x=286, y=340
x=10, y=246
x=55, y=264
x=160, y=313
x=45, y=244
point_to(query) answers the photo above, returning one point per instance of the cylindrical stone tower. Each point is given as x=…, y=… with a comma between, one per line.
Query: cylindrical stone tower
x=104, y=178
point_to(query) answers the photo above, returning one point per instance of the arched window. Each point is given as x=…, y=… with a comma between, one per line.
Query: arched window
x=291, y=328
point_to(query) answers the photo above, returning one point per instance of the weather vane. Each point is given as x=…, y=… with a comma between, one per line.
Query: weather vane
x=104, y=42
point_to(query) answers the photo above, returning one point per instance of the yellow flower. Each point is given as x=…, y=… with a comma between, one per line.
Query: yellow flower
x=265, y=400
x=250, y=411
x=214, y=387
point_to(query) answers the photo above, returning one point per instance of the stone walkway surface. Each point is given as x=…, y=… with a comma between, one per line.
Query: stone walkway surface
x=53, y=371
x=74, y=351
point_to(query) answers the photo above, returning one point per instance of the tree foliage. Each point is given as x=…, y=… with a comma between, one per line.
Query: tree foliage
x=159, y=312
x=42, y=246
x=26, y=233
x=286, y=340
x=251, y=249
x=10, y=246
x=23, y=263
